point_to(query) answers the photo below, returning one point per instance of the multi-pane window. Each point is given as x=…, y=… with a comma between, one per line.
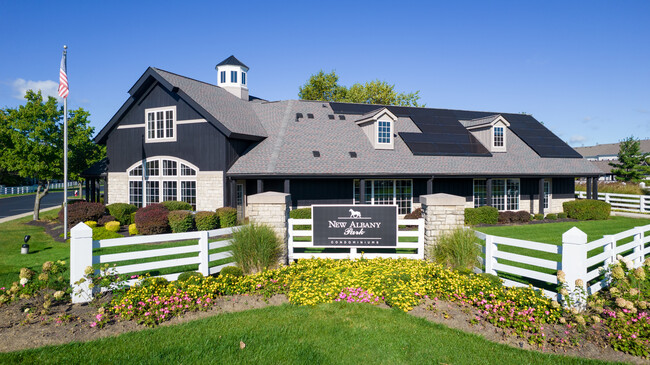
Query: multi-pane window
x=233, y=76
x=386, y=192
x=383, y=131
x=505, y=193
x=135, y=193
x=188, y=192
x=498, y=136
x=243, y=78
x=547, y=193
x=223, y=77
x=160, y=124
x=162, y=182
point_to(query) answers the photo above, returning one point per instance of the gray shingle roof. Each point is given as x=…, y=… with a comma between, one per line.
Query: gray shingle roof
x=609, y=149
x=288, y=150
x=232, y=60
x=479, y=121
x=234, y=113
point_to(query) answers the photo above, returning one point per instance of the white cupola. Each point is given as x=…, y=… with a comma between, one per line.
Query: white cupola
x=232, y=75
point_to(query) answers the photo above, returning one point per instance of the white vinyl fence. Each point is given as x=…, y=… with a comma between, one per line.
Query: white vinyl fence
x=626, y=202
x=31, y=189
x=579, y=259
x=82, y=256
x=409, y=248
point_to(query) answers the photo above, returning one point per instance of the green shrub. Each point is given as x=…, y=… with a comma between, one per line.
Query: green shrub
x=173, y=205
x=91, y=224
x=551, y=216
x=227, y=217
x=101, y=233
x=187, y=275
x=481, y=215
x=133, y=230
x=83, y=211
x=113, y=226
x=302, y=213
x=105, y=219
x=456, y=249
x=561, y=215
x=256, y=248
x=206, y=221
x=133, y=217
x=122, y=212
x=180, y=220
x=152, y=219
x=538, y=217
x=587, y=209
x=416, y=214
x=232, y=271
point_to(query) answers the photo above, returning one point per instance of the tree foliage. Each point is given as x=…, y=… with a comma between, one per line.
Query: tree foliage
x=325, y=87
x=632, y=164
x=32, y=142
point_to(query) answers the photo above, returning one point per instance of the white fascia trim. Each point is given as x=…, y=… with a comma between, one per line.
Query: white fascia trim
x=129, y=126
x=496, y=120
x=191, y=121
x=377, y=116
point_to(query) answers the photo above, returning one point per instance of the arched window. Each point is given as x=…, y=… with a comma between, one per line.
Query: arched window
x=163, y=178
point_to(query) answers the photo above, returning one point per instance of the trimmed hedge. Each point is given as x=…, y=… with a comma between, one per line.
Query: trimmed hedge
x=538, y=217
x=481, y=215
x=302, y=213
x=112, y=226
x=152, y=219
x=173, y=205
x=122, y=212
x=562, y=215
x=206, y=220
x=587, y=209
x=416, y=214
x=180, y=220
x=227, y=217
x=83, y=211
x=521, y=216
x=105, y=219
x=551, y=217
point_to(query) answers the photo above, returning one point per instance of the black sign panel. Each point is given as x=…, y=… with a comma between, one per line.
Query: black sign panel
x=354, y=225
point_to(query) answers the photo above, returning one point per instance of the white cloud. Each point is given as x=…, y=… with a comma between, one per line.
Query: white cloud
x=47, y=87
x=577, y=139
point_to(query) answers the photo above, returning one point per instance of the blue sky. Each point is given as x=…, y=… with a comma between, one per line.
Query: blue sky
x=582, y=68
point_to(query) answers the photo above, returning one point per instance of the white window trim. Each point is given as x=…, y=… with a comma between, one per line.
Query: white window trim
x=372, y=192
x=505, y=193
x=549, y=197
x=146, y=124
x=495, y=148
x=388, y=144
x=160, y=177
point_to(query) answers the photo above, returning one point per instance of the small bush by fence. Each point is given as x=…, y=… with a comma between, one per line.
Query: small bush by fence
x=587, y=209
x=624, y=202
x=481, y=215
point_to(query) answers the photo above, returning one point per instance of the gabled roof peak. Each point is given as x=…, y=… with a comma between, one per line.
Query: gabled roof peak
x=232, y=61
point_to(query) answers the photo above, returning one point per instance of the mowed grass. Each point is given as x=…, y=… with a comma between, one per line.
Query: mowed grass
x=41, y=247
x=336, y=333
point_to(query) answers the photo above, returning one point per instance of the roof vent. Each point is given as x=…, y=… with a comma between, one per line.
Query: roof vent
x=316, y=153
x=353, y=154
x=298, y=116
x=342, y=117
x=331, y=116
x=310, y=116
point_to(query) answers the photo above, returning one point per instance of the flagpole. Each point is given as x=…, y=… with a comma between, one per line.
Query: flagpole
x=65, y=155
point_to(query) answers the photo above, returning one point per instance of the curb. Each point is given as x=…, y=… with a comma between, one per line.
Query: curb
x=7, y=219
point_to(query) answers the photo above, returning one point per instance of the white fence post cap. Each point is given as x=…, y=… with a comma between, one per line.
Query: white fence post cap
x=575, y=236
x=81, y=230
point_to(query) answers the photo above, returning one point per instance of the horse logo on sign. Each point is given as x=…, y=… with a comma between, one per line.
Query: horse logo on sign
x=355, y=214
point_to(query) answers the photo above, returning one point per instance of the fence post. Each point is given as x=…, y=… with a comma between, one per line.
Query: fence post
x=204, y=247
x=574, y=259
x=642, y=204
x=421, y=239
x=638, y=248
x=81, y=256
x=490, y=248
x=606, y=198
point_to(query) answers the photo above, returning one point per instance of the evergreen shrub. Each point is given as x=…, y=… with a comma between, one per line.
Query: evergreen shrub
x=551, y=217
x=562, y=215
x=587, y=209
x=206, y=220
x=232, y=271
x=113, y=226
x=538, y=217
x=173, y=205
x=189, y=274
x=133, y=230
x=227, y=217
x=122, y=212
x=180, y=220
x=481, y=215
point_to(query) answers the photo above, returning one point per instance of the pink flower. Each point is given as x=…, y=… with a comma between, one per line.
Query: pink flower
x=93, y=324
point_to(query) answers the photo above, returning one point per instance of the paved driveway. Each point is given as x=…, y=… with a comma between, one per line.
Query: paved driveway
x=25, y=203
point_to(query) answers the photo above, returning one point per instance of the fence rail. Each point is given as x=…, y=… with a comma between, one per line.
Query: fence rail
x=82, y=255
x=626, y=202
x=415, y=249
x=31, y=189
x=574, y=257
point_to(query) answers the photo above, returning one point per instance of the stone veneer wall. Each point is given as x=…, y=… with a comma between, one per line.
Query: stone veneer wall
x=441, y=213
x=271, y=208
x=118, y=187
x=209, y=190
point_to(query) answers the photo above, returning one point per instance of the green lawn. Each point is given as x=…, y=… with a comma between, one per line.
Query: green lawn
x=337, y=333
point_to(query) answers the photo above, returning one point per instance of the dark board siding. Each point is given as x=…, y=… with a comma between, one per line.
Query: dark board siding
x=158, y=97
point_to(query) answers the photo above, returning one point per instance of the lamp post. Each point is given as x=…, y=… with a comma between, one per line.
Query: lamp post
x=24, y=249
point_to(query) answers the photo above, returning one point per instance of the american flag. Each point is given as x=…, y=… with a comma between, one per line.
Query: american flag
x=63, y=78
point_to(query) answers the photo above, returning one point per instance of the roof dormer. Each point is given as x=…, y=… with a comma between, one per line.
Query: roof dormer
x=379, y=127
x=232, y=75
x=492, y=131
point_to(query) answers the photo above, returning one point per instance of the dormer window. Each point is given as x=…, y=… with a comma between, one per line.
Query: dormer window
x=497, y=137
x=379, y=126
x=491, y=131
x=160, y=124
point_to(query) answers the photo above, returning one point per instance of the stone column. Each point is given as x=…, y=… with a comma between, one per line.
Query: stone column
x=271, y=208
x=441, y=213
